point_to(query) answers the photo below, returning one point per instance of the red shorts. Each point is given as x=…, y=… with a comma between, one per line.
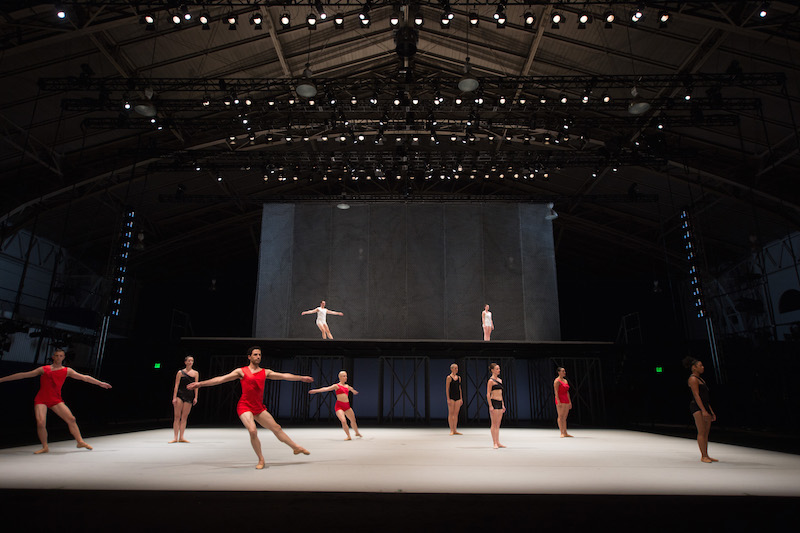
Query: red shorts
x=48, y=400
x=342, y=406
x=246, y=407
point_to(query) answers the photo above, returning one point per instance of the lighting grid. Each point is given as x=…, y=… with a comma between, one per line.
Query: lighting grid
x=690, y=245
x=121, y=261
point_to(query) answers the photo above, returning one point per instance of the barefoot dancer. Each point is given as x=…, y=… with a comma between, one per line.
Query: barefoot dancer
x=563, y=401
x=486, y=322
x=494, y=395
x=183, y=399
x=322, y=322
x=700, y=406
x=452, y=388
x=51, y=379
x=251, y=405
x=343, y=410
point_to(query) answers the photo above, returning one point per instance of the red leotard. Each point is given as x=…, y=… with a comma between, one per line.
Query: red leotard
x=252, y=399
x=341, y=406
x=50, y=384
x=563, y=393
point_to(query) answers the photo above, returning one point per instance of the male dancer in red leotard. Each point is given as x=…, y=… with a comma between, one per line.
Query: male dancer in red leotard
x=51, y=380
x=251, y=405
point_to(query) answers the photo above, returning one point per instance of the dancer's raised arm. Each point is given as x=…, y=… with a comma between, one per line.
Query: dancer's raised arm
x=236, y=374
x=271, y=374
x=23, y=375
x=323, y=389
x=88, y=379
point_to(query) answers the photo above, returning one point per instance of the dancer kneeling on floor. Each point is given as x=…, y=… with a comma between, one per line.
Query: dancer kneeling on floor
x=251, y=407
x=343, y=410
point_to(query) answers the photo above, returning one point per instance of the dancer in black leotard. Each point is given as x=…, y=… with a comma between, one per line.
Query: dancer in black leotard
x=494, y=396
x=183, y=399
x=700, y=406
x=452, y=386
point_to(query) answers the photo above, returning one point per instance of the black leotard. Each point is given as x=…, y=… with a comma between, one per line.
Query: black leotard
x=705, y=397
x=455, y=389
x=497, y=385
x=185, y=394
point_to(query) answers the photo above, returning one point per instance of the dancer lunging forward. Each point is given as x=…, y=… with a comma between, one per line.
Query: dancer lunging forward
x=51, y=379
x=342, y=408
x=251, y=405
x=494, y=395
x=183, y=399
x=322, y=321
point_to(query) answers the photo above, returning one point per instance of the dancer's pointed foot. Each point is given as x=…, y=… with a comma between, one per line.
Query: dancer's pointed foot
x=43, y=450
x=300, y=449
x=495, y=446
x=348, y=438
x=260, y=465
x=359, y=435
x=184, y=440
x=706, y=459
x=456, y=433
x=173, y=441
x=714, y=460
x=84, y=444
x=565, y=435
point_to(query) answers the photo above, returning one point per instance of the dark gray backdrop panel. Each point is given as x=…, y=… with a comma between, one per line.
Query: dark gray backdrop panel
x=542, y=320
x=387, y=272
x=310, y=267
x=502, y=268
x=463, y=281
x=348, y=290
x=274, y=271
x=425, y=271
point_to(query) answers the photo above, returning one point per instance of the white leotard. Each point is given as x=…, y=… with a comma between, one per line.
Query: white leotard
x=487, y=318
x=321, y=312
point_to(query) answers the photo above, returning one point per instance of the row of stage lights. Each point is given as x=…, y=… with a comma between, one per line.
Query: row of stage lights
x=692, y=258
x=183, y=15
x=121, y=262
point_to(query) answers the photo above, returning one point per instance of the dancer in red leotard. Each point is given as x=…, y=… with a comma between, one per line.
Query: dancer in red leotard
x=51, y=379
x=342, y=408
x=563, y=401
x=251, y=407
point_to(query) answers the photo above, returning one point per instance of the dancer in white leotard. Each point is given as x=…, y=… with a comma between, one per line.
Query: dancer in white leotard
x=322, y=322
x=486, y=322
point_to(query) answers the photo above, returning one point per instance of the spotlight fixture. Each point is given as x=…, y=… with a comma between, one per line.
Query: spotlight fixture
x=364, y=14
x=473, y=19
x=606, y=98
x=563, y=98
x=364, y=20
x=637, y=14
x=285, y=20
x=311, y=20
x=61, y=13
x=231, y=21
x=187, y=16
x=583, y=20
x=446, y=18
x=338, y=21
x=500, y=16
x=762, y=11
x=529, y=19
x=306, y=88
x=320, y=9
x=555, y=19
x=176, y=19
x=418, y=20
x=663, y=18
x=637, y=106
x=255, y=20
x=609, y=19
x=394, y=20
x=468, y=82
x=204, y=20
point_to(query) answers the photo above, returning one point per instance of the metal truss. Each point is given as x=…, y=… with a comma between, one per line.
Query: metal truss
x=586, y=390
x=407, y=381
x=326, y=369
x=476, y=375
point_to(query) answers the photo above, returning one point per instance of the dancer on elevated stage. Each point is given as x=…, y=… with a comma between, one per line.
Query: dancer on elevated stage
x=494, y=395
x=51, y=379
x=251, y=407
x=182, y=398
x=486, y=323
x=452, y=388
x=322, y=322
x=563, y=401
x=700, y=406
x=342, y=408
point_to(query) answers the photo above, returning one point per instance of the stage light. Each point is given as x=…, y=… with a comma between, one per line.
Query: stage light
x=529, y=19
x=501, y=20
x=468, y=82
x=61, y=13
x=306, y=88
x=563, y=98
x=231, y=21
x=502, y=100
x=762, y=11
x=320, y=9
x=609, y=17
x=606, y=98
x=311, y=20
x=255, y=20
x=663, y=18
x=126, y=105
x=204, y=19
x=446, y=18
x=474, y=19
x=556, y=18
x=338, y=21
x=637, y=14
x=419, y=20
x=176, y=19
x=187, y=16
x=285, y=20
x=583, y=19
x=364, y=14
x=365, y=22
x=499, y=12
x=394, y=20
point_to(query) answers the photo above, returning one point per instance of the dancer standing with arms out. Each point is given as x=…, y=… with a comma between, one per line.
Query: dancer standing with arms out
x=322, y=322
x=183, y=399
x=342, y=408
x=452, y=388
x=494, y=395
x=486, y=322
x=700, y=406
x=51, y=379
x=251, y=405
x=563, y=401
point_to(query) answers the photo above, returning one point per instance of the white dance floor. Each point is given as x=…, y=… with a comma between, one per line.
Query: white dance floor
x=406, y=460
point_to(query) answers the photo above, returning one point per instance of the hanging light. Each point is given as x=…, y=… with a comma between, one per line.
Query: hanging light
x=468, y=82
x=285, y=20
x=555, y=19
x=255, y=20
x=637, y=105
x=231, y=21
x=338, y=21
x=306, y=88
x=311, y=20
x=663, y=18
x=529, y=19
x=204, y=20
x=609, y=19
x=474, y=19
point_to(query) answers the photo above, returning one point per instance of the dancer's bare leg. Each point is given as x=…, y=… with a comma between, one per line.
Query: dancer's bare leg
x=249, y=423
x=487, y=333
x=703, y=429
x=177, y=407
x=40, y=412
x=563, y=411
x=187, y=406
x=351, y=415
x=266, y=420
x=455, y=416
x=496, y=417
x=63, y=411
x=343, y=420
x=322, y=330
x=451, y=405
x=326, y=331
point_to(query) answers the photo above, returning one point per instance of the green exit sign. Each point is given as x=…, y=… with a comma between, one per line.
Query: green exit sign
x=659, y=369
x=158, y=365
